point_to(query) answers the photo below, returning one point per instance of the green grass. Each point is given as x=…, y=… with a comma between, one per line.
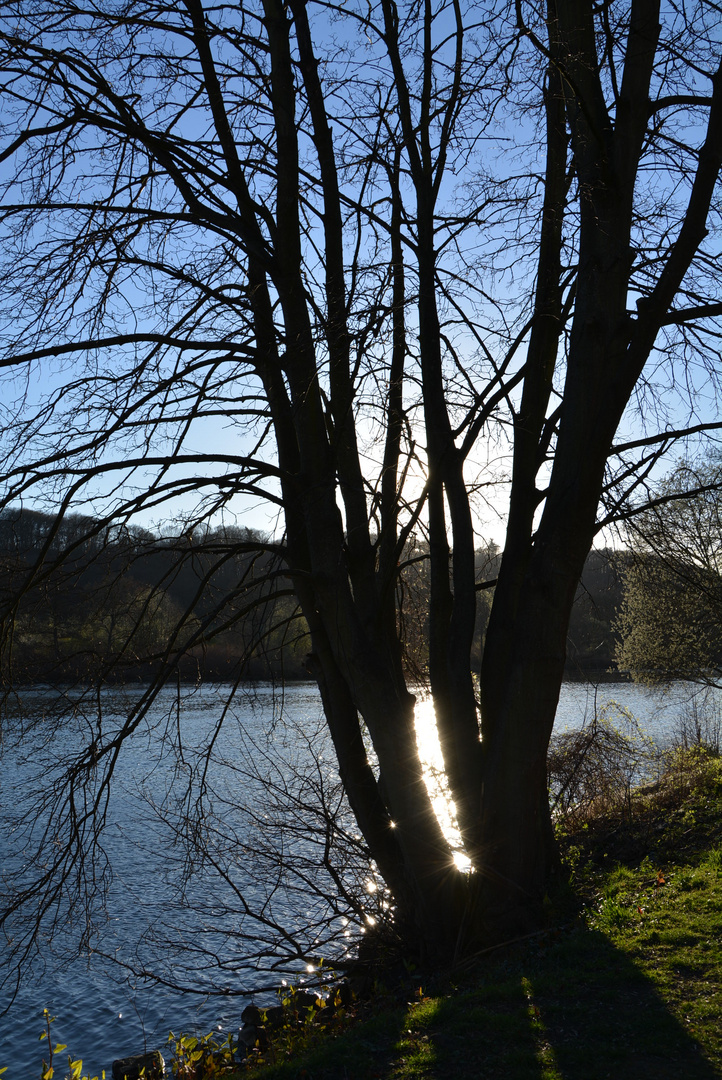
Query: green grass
x=629, y=986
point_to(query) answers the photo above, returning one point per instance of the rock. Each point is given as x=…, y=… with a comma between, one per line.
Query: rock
x=130, y=1068
x=301, y=1002
x=258, y=1023
x=253, y=1033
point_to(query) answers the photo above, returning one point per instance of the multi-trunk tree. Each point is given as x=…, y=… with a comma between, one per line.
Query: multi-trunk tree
x=392, y=270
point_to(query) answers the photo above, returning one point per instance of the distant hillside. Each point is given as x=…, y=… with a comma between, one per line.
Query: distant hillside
x=591, y=642
x=82, y=601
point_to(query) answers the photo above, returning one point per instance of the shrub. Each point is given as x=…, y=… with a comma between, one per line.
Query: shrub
x=594, y=770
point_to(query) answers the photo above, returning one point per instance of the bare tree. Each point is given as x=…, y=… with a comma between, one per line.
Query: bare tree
x=378, y=248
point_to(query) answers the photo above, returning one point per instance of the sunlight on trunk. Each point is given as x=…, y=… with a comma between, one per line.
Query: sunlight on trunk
x=427, y=740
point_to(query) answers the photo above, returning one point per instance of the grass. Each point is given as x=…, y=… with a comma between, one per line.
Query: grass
x=629, y=985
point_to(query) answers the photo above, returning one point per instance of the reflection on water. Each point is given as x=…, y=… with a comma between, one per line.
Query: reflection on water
x=272, y=753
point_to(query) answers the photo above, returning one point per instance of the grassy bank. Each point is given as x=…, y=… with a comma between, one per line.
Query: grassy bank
x=625, y=983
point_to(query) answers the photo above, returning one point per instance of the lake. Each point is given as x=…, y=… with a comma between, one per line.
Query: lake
x=188, y=917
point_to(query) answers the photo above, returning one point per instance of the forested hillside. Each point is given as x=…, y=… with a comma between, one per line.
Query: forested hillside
x=592, y=637
x=131, y=600
x=94, y=599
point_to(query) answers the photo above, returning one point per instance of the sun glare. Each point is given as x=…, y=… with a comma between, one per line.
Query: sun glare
x=427, y=741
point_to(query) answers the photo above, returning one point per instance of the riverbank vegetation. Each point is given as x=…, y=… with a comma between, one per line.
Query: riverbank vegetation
x=626, y=980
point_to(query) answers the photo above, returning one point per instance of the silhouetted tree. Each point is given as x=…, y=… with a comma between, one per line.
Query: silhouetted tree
x=344, y=260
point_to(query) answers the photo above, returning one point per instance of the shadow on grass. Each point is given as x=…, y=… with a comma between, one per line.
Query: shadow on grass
x=570, y=1008
x=602, y=1017
x=587, y=1013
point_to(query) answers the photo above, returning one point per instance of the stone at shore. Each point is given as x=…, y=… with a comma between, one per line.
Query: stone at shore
x=130, y=1068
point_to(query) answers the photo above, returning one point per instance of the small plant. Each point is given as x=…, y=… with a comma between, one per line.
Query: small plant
x=713, y=861
x=611, y=915
x=201, y=1057
x=48, y=1070
x=700, y=725
x=687, y=878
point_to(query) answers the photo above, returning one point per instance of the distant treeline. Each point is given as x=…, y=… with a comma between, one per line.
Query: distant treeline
x=84, y=600
x=592, y=637
x=81, y=600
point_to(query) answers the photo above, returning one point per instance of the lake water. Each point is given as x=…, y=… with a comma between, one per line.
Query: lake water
x=188, y=919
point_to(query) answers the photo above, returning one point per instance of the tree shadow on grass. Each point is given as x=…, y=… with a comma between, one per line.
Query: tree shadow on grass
x=575, y=1008
x=569, y=1007
x=605, y=1018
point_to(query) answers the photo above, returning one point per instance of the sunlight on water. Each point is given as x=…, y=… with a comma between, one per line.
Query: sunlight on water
x=427, y=740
